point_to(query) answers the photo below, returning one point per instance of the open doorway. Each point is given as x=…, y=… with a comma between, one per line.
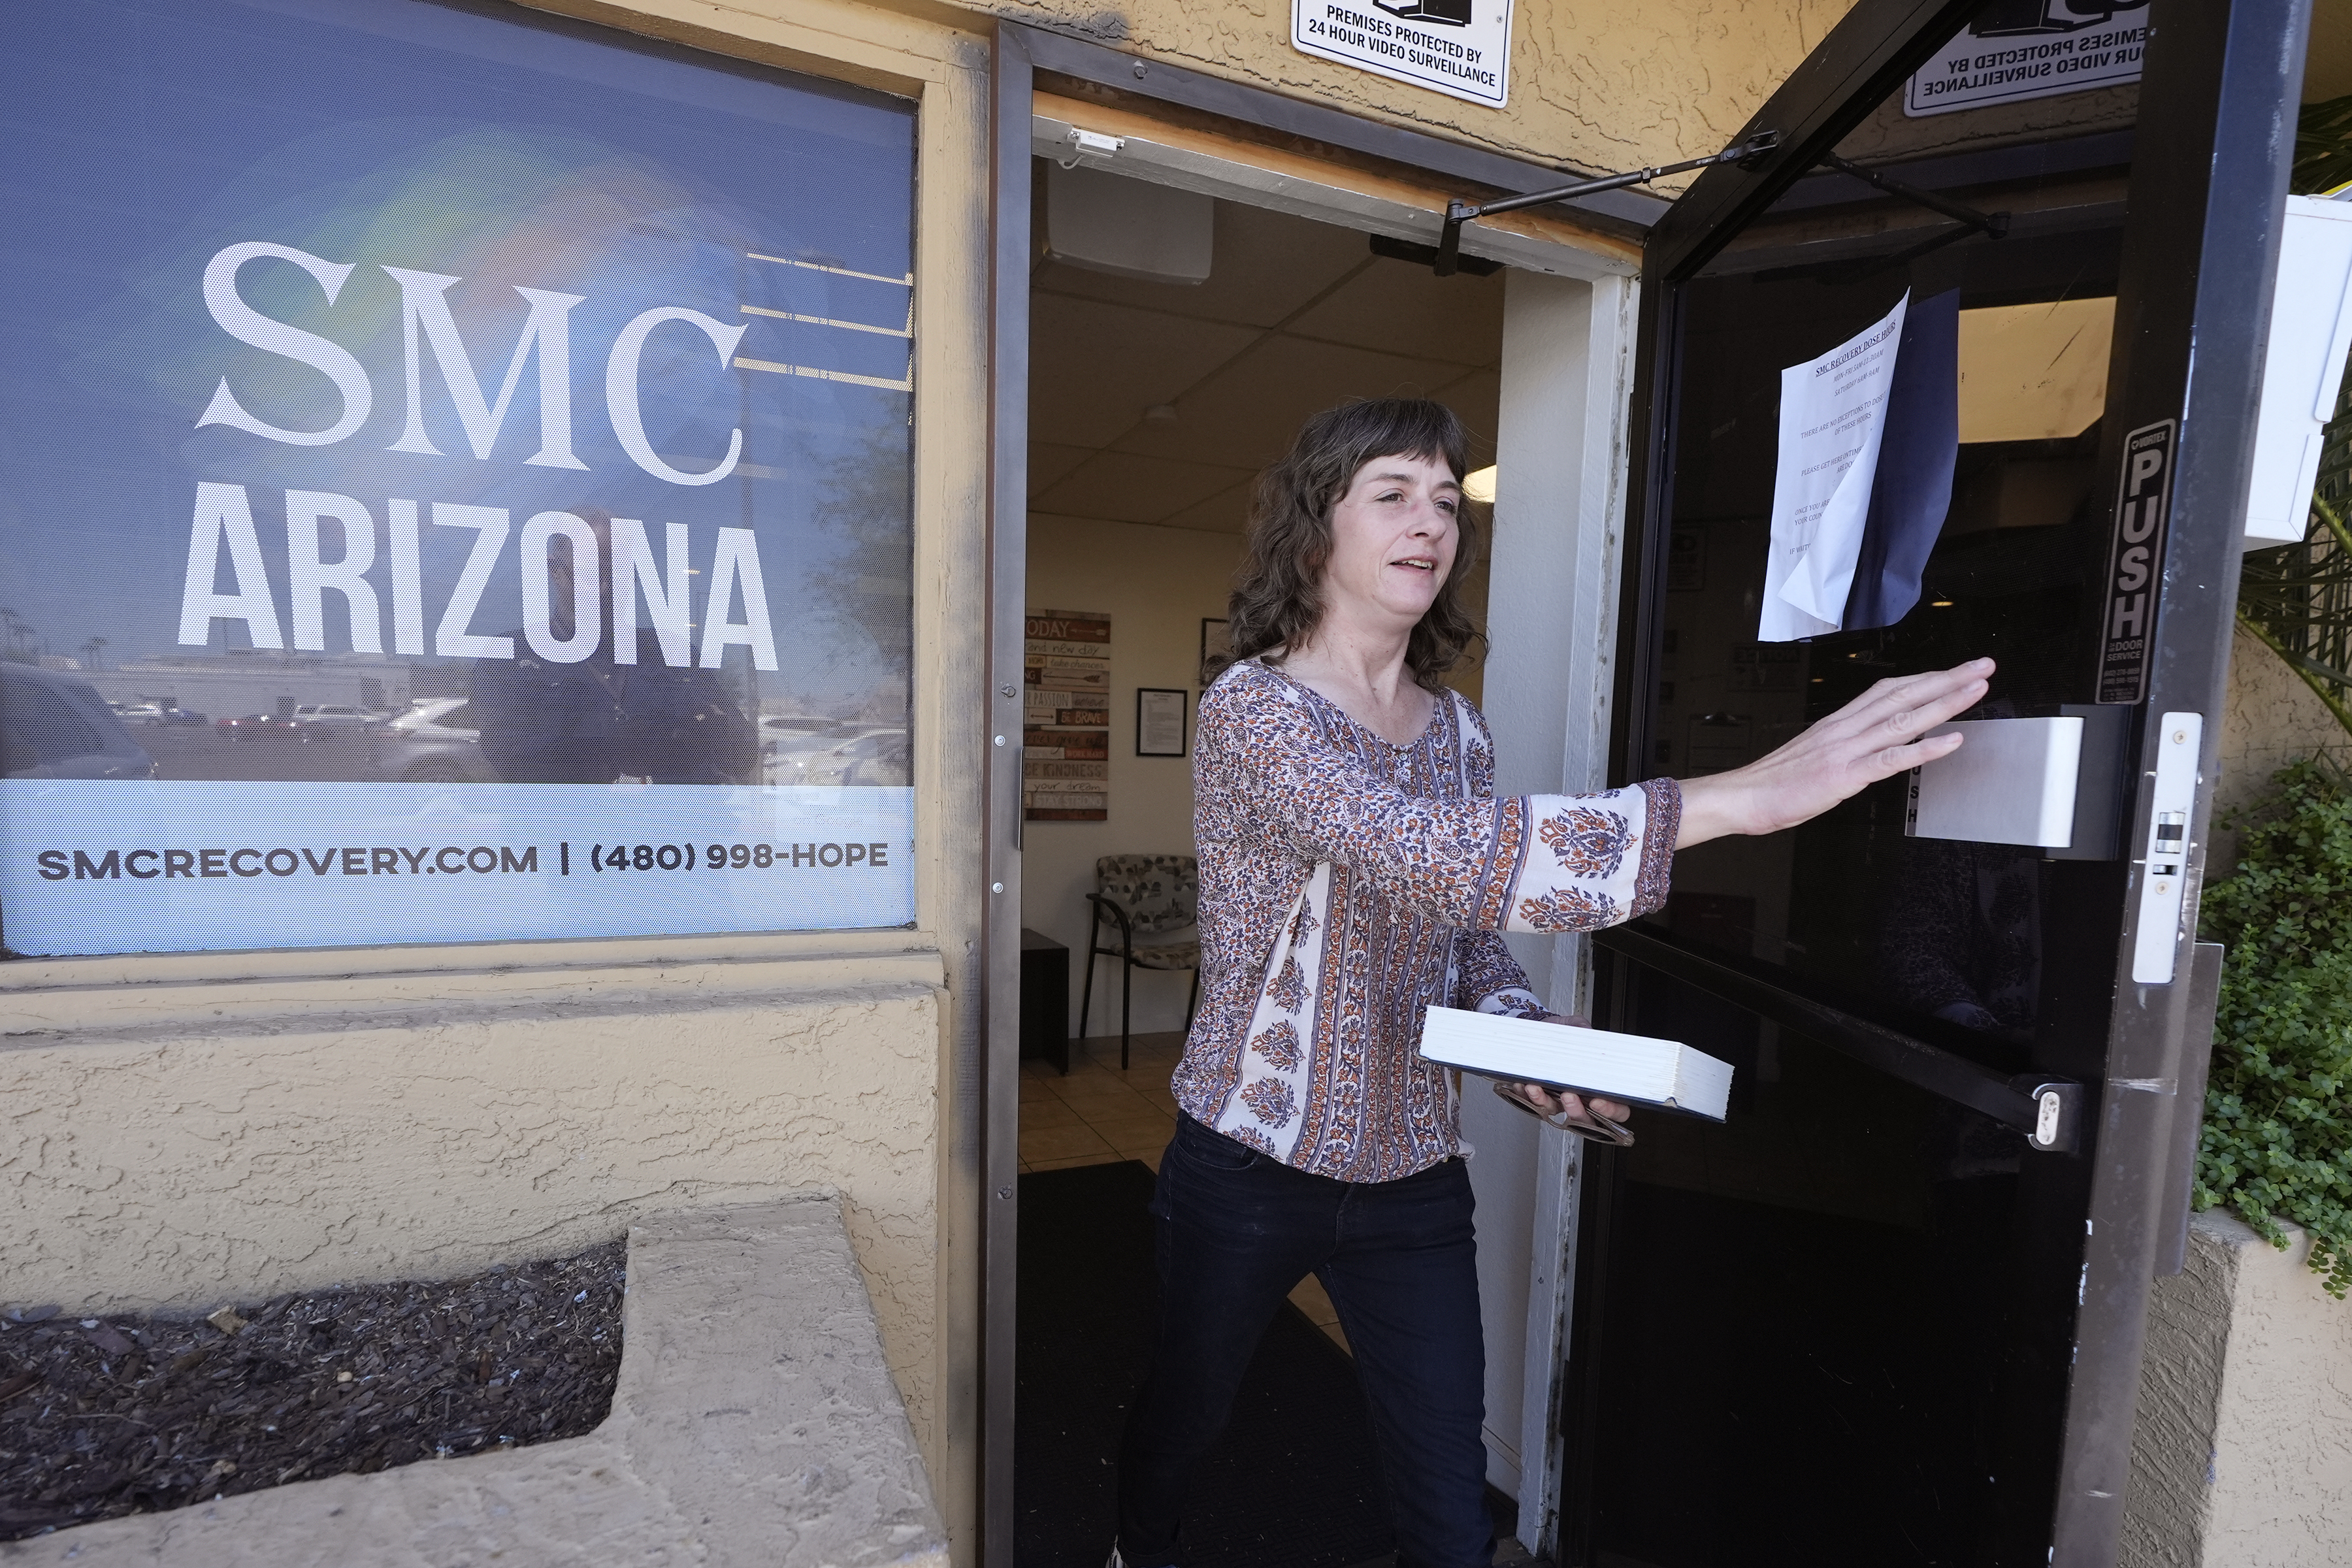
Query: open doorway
x=1163, y=377
x=1153, y=405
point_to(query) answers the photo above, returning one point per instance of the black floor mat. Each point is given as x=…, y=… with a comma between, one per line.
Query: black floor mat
x=1294, y=1482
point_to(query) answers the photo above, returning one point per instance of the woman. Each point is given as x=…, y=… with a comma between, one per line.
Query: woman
x=1355, y=869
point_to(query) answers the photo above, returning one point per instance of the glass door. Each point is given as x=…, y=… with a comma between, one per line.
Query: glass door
x=1890, y=1311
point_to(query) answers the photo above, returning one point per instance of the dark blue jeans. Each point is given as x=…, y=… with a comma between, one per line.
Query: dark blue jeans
x=1236, y=1232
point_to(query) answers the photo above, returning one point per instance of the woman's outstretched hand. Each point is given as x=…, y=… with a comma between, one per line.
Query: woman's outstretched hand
x=1874, y=737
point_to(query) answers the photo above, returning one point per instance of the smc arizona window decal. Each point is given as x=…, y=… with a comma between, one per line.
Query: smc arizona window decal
x=486, y=444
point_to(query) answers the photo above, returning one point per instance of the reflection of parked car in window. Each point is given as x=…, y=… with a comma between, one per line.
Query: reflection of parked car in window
x=436, y=719
x=54, y=727
x=155, y=715
x=435, y=742
x=333, y=715
x=258, y=727
x=788, y=751
x=875, y=758
x=792, y=728
x=407, y=756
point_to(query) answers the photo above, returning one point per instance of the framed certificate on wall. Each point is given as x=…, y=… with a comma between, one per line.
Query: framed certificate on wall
x=1160, y=722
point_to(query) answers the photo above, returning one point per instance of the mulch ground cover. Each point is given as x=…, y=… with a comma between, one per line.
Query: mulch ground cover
x=104, y=1416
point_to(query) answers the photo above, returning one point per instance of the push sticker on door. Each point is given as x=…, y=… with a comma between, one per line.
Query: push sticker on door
x=2135, y=562
x=1459, y=47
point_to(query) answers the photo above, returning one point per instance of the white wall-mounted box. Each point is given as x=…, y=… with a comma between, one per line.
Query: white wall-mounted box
x=2012, y=781
x=1107, y=222
x=2311, y=333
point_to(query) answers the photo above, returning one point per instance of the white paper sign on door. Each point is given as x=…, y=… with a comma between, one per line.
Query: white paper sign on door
x=1833, y=412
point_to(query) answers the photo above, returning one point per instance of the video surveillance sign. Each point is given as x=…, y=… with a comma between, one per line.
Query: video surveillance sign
x=1459, y=47
x=2019, y=49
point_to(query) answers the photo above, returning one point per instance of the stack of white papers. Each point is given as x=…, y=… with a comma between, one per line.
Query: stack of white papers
x=1832, y=413
x=1633, y=1068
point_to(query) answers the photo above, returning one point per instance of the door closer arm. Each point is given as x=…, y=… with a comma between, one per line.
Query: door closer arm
x=1457, y=213
x=1993, y=225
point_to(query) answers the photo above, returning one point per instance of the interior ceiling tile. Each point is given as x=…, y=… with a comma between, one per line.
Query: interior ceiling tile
x=1227, y=511
x=1094, y=368
x=1049, y=463
x=1246, y=415
x=1125, y=487
x=1264, y=265
x=1404, y=309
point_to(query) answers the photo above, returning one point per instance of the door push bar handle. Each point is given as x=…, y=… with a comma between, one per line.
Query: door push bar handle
x=2048, y=1111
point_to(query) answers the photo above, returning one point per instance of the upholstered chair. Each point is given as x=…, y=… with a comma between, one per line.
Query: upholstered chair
x=1136, y=897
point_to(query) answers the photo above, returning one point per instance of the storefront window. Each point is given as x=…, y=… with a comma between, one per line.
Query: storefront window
x=454, y=482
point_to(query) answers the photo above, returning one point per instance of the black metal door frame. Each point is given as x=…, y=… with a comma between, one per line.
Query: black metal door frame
x=2208, y=190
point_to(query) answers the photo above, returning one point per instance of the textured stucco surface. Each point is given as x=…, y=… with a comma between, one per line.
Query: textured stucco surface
x=2171, y=1495
x=1594, y=84
x=169, y=1164
x=754, y=1422
x=2241, y=1456
x=2270, y=720
x=1889, y=133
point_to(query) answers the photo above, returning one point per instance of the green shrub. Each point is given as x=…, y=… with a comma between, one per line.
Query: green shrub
x=2277, y=1145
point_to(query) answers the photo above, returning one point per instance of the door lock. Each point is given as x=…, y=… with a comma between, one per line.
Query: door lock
x=2057, y=1124
x=2163, y=865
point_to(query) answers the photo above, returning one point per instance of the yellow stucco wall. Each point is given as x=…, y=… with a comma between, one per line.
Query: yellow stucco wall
x=2270, y=720
x=301, y=1135
x=1593, y=85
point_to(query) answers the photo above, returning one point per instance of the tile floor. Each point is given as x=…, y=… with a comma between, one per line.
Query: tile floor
x=1100, y=1114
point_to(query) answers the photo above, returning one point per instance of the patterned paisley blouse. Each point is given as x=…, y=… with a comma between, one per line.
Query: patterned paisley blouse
x=1345, y=883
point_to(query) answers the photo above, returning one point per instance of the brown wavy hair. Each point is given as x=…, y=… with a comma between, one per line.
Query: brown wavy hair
x=1277, y=601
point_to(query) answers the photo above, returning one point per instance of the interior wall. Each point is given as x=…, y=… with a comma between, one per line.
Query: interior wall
x=1156, y=584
